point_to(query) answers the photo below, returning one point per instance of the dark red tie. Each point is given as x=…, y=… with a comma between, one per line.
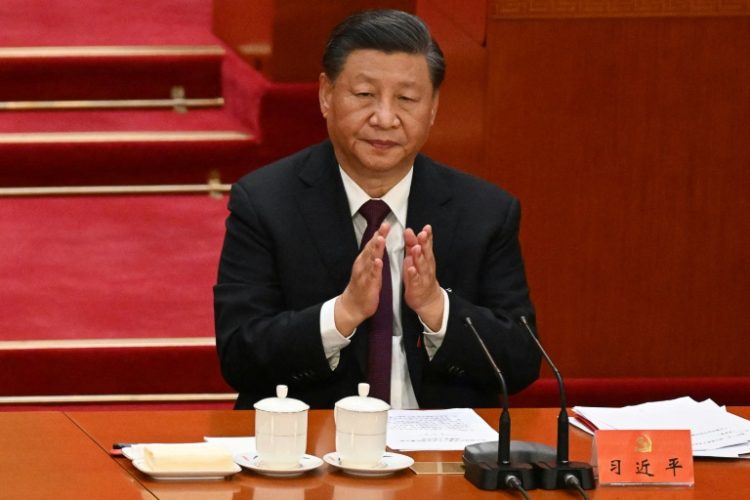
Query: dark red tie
x=380, y=336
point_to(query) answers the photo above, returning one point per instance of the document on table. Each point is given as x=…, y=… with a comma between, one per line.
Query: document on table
x=714, y=431
x=437, y=430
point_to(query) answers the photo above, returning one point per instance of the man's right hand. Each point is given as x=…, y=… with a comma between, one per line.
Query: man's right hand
x=360, y=298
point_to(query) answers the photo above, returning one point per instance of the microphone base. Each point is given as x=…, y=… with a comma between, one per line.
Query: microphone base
x=520, y=451
x=484, y=471
x=493, y=476
x=551, y=475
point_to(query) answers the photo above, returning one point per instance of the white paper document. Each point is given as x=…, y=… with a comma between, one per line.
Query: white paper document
x=714, y=431
x=437, y=430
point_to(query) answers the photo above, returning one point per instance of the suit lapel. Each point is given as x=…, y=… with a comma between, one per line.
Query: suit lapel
x=325, y=210
x=429, y=203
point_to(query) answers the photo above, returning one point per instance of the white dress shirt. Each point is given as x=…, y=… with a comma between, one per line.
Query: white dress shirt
x=402, y=392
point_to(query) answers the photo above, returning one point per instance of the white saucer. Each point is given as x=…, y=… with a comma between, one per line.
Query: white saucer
x=388, y=464
x=193, y=475
x=252, y=461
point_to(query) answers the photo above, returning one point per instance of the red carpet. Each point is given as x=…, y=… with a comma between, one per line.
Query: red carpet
x=27, y=23
x=87, y=272
x=86, y=277
x=58, y=23
x=109, y=267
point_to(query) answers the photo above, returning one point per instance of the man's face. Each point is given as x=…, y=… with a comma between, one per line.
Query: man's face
x=379, y=111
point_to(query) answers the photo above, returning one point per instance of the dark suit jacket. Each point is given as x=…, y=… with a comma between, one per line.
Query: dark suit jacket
x=290, y=246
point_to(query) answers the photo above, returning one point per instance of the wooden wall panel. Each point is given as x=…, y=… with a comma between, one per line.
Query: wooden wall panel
x=468, y=16
x=626, y=137
x=247, y=27
x=301, y=29
x=285, y=38
x=457, y=138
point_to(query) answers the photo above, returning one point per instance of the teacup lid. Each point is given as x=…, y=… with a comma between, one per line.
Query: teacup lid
x=281, y=403
x=362, y=402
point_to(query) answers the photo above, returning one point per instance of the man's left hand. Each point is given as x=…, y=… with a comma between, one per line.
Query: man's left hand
x=421, y=289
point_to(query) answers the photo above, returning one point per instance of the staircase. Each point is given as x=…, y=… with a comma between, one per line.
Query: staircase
x=121, y=129
x=95, y=115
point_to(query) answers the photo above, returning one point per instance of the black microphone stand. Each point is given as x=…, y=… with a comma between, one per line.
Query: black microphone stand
x=502, y=474
x=561, y=473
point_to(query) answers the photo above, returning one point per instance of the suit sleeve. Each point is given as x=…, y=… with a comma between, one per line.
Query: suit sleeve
x=261, y=340
x=495, y=305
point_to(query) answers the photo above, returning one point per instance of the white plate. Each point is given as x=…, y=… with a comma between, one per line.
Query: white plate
x=136, y=451
x=133, y=452
x=252, y=462
x=193, y=475
x=233, y=444
x=388, y=464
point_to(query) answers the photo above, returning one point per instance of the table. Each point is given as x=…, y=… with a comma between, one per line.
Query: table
x=46, y=455
x=86, y=471
x=714, y=478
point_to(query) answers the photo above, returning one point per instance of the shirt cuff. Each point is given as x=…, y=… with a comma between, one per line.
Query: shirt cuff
x=332, y=339
x=433, y=340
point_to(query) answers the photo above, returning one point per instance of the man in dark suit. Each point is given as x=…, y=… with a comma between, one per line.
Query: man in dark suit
x=300, y=300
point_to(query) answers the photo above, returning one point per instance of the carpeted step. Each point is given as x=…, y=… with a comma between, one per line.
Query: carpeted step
x=113, y=370
x=78, y=148
x=154, y=374
x=109, y=295
x=107, y=300
x=32, y=77
x=109, y=267
x=105, y=22
x=53, y=50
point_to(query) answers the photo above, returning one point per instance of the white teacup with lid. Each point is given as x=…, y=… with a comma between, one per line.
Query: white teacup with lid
x=361, y=424
x=280, y=430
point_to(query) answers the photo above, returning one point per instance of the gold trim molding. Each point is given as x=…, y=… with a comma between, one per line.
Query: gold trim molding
x=30, y=345
x=139, y=136
x=212, y=187
x=111, y=51
x=513, y=9
x=118, y=398
x=113, y=104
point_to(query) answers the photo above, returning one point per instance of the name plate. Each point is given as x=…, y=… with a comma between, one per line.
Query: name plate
x=644, y=457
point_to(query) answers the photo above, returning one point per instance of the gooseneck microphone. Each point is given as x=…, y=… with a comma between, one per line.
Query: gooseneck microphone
x=503, y=448
x=561, y=473
x=501, y=474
